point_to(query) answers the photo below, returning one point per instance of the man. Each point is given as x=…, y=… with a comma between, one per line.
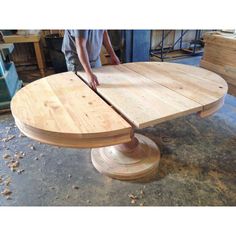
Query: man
x=82, y=51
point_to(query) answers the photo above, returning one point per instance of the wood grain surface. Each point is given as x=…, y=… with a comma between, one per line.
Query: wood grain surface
x=141, y=161
x=62, y=110
x=148, y=93
x=21, y=38
x=220, y=56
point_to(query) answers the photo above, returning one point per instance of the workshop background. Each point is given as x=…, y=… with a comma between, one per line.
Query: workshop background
x=198, y=161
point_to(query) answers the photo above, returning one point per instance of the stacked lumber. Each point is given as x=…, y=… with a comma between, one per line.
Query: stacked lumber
x=220, y=57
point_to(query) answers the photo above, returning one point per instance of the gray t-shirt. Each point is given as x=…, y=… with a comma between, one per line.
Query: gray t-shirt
x=94, y=43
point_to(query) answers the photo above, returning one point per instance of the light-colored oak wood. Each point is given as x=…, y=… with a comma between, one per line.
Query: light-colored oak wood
x=21, y=38
x=226, y=71
x=220, y=56
x=232, y=90
x=197, y=84
x=148, y=93
x=213, y=109
x=40, y=58
x=129, y=162
x=62, y=110
x=218, y=38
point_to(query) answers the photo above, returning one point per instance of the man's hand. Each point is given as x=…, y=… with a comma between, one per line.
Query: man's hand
x=84, y=59
x=107, y=44
x=115, y=60
x=93, y=81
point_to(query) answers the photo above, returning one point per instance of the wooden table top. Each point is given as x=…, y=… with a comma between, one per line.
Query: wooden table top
x=148, y=93
x=62, y=110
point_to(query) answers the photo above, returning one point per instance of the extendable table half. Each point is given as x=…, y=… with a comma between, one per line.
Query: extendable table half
x=63, y=110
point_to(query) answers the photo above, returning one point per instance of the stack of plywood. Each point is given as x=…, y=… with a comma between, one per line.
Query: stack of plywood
x=220, y=57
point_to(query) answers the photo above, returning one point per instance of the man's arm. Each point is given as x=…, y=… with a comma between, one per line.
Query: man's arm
x=84, y=59
x=107, y=44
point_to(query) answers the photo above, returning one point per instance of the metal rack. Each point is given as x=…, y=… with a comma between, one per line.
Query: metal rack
x=161, y=51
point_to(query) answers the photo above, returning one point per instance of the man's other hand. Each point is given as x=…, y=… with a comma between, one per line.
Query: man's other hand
x=115, y=60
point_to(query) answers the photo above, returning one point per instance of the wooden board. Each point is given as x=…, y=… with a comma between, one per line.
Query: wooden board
x=62, y=110
x=217, y=38
x=148, y=93
x=199, y=85
x=220, y=56
x=21, y=38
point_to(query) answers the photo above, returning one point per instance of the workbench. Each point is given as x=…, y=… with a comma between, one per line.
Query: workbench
x=63, y=110
x=35, y=39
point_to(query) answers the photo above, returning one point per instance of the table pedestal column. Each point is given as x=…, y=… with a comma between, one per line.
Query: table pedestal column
x=137, y=159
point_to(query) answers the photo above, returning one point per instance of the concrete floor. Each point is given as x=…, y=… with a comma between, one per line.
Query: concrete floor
x=197, y=167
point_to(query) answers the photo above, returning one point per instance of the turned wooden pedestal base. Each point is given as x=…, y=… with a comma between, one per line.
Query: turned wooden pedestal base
x=136, y=159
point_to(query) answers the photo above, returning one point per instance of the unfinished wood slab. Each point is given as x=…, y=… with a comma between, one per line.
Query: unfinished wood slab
x=218, y=38
x=62, y=110
x=220, y=56
x=21, y=38
x=197, y=84
x=137, y=159
x=148, y=93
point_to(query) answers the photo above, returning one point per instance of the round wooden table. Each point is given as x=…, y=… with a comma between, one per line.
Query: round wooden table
x=63, y=110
